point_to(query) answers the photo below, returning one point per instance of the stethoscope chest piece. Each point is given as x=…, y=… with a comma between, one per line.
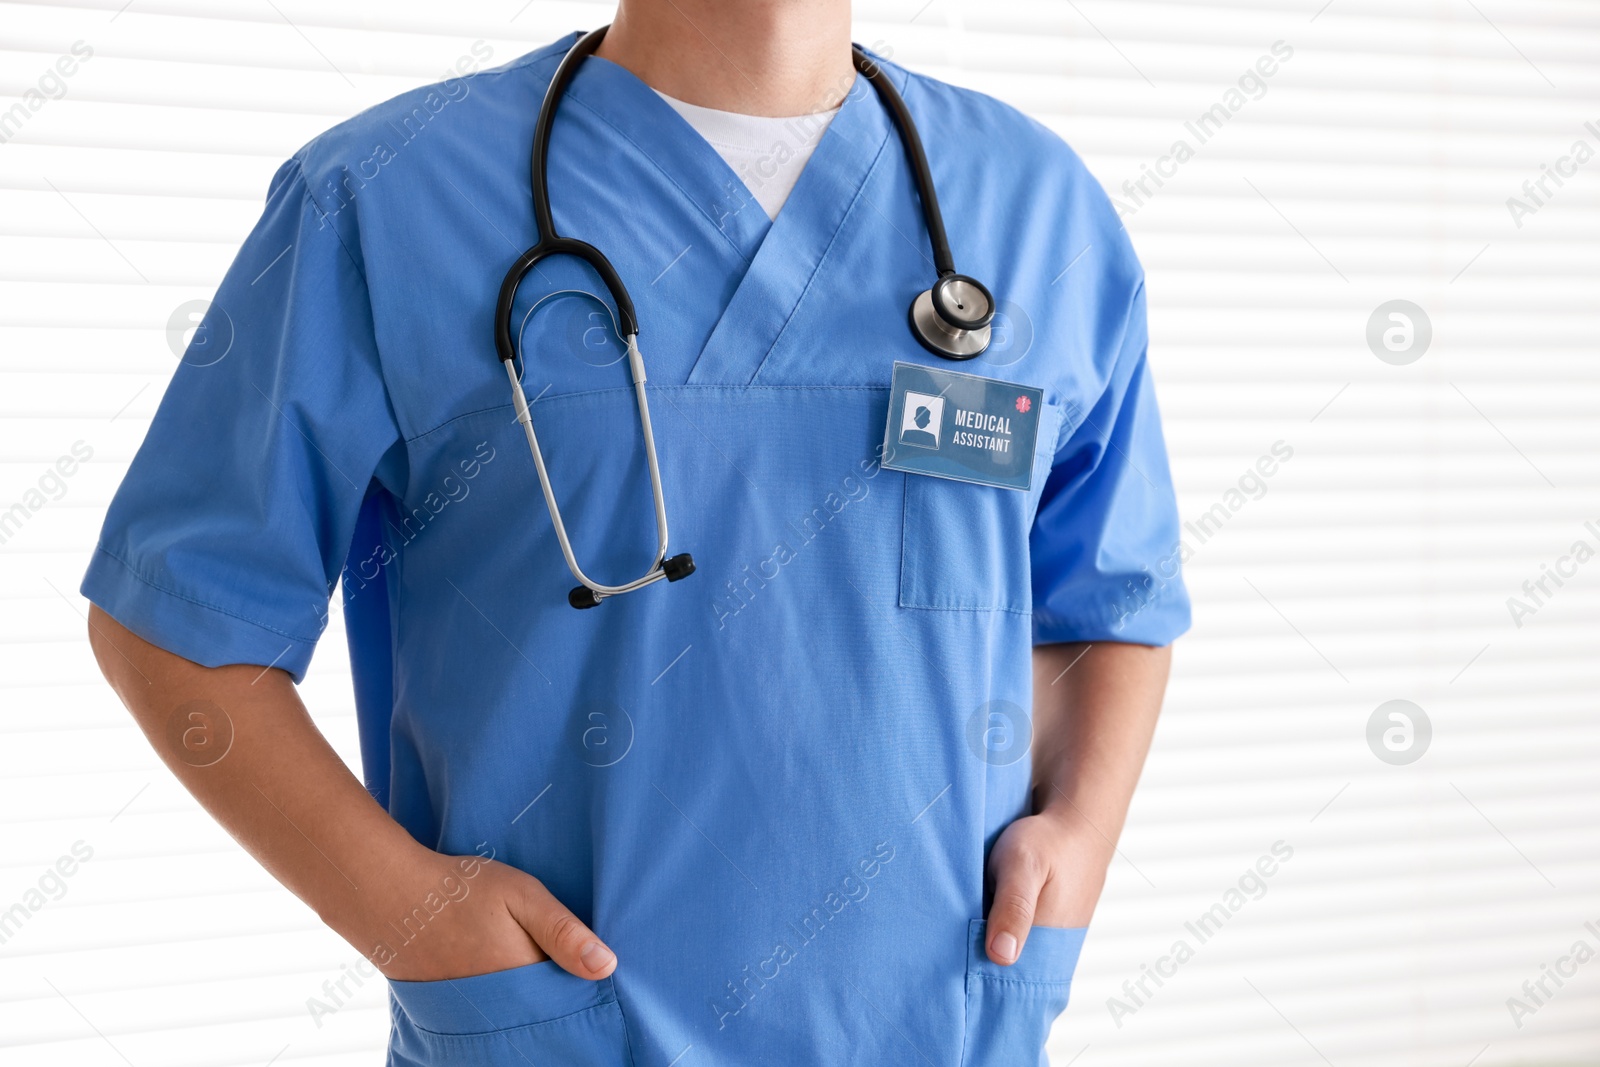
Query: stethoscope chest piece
x=953, y=318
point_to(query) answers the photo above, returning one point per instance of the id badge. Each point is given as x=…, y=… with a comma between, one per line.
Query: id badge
x=961, y=426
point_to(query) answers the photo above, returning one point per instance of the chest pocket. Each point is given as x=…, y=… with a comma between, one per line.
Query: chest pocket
x=964, y=546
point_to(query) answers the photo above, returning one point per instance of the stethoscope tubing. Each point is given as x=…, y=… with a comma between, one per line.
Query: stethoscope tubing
x=916, y=157
x=956, y=337
x=551, y=243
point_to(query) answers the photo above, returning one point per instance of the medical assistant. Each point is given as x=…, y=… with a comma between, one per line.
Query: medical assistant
x=770, y=787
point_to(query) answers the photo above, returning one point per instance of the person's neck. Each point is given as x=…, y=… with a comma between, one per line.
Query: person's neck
x=754, y=57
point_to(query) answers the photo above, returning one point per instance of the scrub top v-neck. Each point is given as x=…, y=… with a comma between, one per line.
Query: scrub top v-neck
x=768, y=154
x=771, y=787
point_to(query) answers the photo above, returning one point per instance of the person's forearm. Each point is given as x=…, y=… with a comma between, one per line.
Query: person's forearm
x=240, y=740
x=1094, y=711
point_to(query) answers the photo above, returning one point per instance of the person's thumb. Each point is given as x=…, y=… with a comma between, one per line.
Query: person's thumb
x=562, y=936
x=1018, y=879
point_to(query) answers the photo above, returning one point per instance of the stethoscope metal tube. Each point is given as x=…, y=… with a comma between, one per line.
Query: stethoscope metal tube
x=590, y=592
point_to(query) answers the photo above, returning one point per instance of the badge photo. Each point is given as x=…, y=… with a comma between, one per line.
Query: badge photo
x=921, y=420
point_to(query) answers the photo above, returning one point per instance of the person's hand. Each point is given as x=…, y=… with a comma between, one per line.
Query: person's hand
x=465, y=916
x=1046, y=871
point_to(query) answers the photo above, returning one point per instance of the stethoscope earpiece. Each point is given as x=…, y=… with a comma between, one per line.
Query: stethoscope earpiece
x=675, y=569
x=952, y=319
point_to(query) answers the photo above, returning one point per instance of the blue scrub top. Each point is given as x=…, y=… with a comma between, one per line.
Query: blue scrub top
x=771, y=787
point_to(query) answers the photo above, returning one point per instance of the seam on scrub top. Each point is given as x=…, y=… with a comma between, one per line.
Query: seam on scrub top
x=323, y=217
x=794, y=309
x=158, y=587
x=520, y=63
x=627, y=1042
x=487, y=1035
x=1079, y=624
x=629, y=390
x=966, y=1019
x=1121, y=352
x=1046, y=983
x=1127, y=318
x=366, y=291
x=1023, y=611
x=637, y=147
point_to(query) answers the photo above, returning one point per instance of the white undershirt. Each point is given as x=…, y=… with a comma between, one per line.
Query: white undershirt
x=767, y=154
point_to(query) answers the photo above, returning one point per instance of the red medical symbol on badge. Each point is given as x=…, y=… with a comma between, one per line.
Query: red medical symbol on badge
x=1024, y=405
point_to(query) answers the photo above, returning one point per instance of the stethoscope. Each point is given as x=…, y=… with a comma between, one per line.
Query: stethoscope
x=951, y=319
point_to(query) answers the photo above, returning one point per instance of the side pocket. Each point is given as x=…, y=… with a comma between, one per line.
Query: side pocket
x=533, y=1014
x=1010, y=1009
x=964, y=546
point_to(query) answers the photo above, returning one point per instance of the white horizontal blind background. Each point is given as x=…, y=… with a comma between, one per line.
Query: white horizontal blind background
x=1374, y=565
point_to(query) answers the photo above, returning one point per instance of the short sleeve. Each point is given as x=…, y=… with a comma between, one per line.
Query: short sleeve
x=224, y=541
x=1105, y=540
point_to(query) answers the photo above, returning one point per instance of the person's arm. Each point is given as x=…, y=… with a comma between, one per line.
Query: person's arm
x=1094, y=711
x=287, y=797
